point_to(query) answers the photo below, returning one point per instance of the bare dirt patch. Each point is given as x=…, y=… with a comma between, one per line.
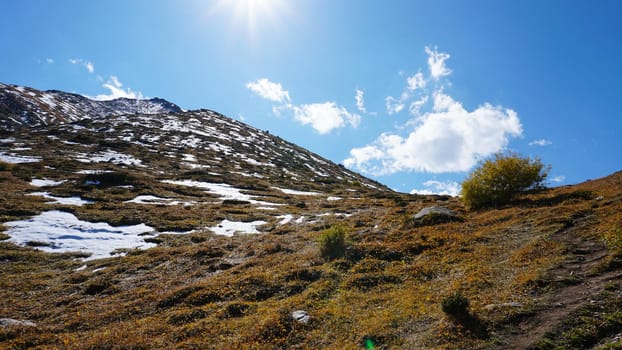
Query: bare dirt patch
x=566, y=288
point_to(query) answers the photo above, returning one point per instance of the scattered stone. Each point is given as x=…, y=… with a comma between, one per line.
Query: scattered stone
x=435, y=215
x=503, y=305
x=10, y=322
x=300, y=316
x=600, y=198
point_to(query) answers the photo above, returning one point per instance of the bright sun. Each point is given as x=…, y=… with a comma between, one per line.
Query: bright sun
x=251, y=14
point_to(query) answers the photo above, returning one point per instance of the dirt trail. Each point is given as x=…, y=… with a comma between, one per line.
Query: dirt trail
x=583, y=256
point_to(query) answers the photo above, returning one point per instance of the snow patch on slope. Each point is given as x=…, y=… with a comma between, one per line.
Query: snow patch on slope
x=60, y=232
x=229, y=228
x=15, y=159
x=62, y=200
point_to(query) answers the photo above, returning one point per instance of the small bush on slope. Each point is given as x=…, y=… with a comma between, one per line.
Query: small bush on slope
x=333, y=242
x=4, y=166
x=455, y=305
x=497, y=181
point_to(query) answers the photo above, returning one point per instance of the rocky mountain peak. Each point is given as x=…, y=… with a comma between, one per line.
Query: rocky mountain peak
x=27, y=107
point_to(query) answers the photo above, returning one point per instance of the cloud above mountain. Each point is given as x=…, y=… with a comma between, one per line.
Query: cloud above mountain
x=323, y=117
x=450, y=188
x=112, y=84
x=115, y=89
x=88, y=65
x=268, y=90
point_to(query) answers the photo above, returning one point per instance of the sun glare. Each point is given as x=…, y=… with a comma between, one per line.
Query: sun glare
x=251, y=15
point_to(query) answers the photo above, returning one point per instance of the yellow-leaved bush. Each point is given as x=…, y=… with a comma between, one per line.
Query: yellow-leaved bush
x=499, y=180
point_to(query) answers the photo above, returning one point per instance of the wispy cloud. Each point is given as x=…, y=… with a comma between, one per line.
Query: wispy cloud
x=88, y=65
x=416, y=84
x=450, y=188
x=394, y=105
x=540, y=142
x=416, y=106
x=115, y=88
x=112, y=84
x=269, y=90
x=360, y=101
x=49, y=60
x=324, y=117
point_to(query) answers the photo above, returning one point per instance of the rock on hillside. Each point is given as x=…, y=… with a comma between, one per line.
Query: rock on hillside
x=435, y=215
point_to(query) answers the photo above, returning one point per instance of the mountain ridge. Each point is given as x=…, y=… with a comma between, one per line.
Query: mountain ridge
x=22, y=106
x=197, y=131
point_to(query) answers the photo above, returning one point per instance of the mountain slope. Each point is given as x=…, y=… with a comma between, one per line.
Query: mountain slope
x=193, y=230
x=173, y=157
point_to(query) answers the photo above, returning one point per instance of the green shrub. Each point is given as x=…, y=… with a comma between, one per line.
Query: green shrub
x=498, y=181
x=456, y=305
x=333, y=242
x=4, y=166
x=613, y=238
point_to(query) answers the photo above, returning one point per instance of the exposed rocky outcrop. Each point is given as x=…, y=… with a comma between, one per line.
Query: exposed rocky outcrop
x=435, y=215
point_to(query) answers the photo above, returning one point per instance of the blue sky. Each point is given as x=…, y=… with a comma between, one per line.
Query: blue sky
x=410, y=93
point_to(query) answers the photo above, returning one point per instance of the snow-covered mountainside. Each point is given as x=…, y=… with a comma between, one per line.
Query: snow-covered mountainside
x=139, y=157
x=151, y=133
x=27, y=107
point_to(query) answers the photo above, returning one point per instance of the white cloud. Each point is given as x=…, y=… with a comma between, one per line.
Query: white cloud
x=448, y=139
x=436, y=63
x=558, y=179
x=49, y=60
x=362, y=155
x=90, y=67
x=415, y=86
x=443, y=136
x=115, y=87
x=415, y=106
x=324, y=117
x=450, y=188
x=393, y=105
x=540, y=142
x=269, y=90
x=360, y=101
x=416, y=81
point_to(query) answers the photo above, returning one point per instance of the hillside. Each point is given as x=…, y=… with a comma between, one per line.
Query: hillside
x=178, y=229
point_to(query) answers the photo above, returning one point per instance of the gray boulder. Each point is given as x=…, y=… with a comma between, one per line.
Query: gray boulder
x=435, y=215
x=300, y=316
x=10, y=322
